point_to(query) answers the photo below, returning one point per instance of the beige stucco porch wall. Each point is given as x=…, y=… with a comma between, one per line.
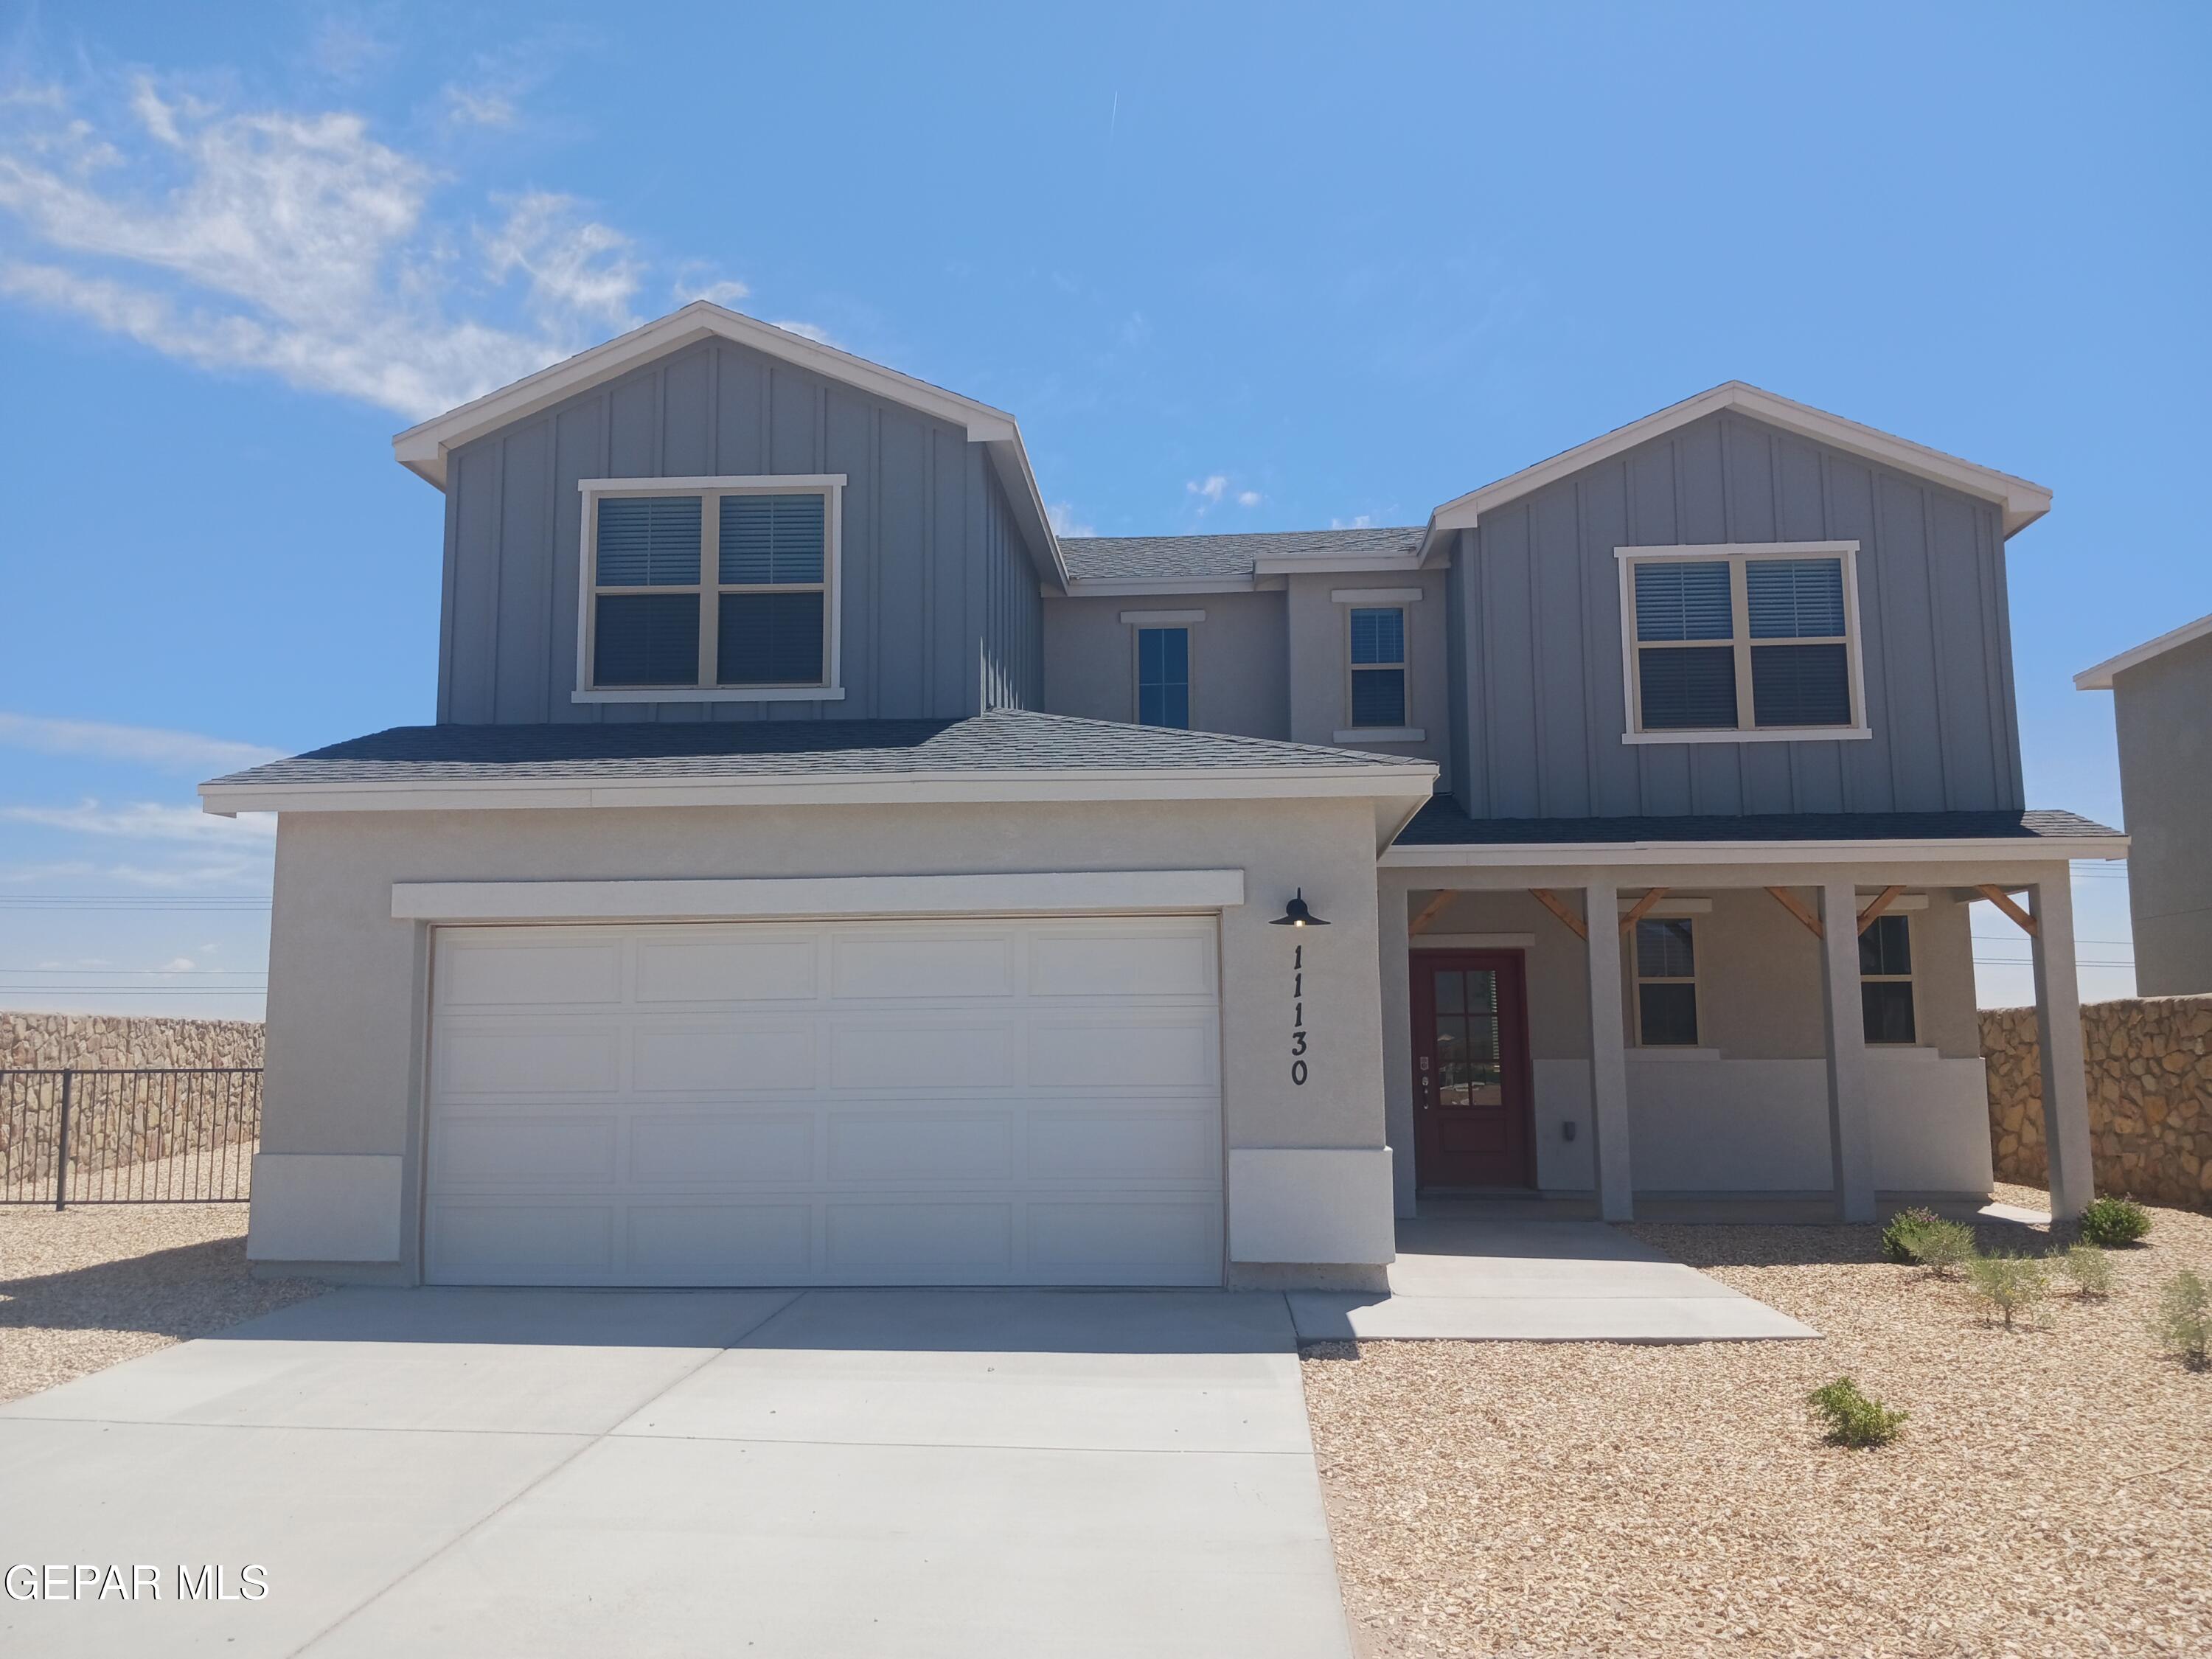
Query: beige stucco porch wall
x=348, y=985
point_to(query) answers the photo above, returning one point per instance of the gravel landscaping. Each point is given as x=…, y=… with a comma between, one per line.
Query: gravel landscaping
x=2051, y=1494
x=81, y=1289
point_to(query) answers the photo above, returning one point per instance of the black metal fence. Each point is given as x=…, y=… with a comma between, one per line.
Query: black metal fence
x=171, y=1135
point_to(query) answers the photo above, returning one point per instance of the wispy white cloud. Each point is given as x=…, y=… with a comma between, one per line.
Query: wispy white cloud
x=147, y=745
x=474, y=107
x=298, y=244
x=1364, y=522
x=1248, y=498
x=696, y=281
x=144, y=820
x=1065, y=522
x=229, y=875
x=1209, y=490
x=813, y=331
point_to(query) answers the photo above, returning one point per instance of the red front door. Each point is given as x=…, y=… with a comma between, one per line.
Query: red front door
x=1474, y=1122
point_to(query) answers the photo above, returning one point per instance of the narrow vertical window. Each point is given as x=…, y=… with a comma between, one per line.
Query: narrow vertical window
x=1666, y=984
x=1886, y=981
x=1164, y=677
x=1378, y=667
x=773, y=589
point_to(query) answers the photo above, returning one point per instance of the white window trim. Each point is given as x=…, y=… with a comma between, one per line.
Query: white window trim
x=829, y=485
x=1736, y=553
x=1163, y=620
x=1902, y=912
x=1347, y=603
x=1377, y=599
x=1696, y=981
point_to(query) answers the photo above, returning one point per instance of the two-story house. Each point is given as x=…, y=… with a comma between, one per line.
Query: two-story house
x=820, y=872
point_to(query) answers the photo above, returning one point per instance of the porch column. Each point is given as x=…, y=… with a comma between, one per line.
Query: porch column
x=1608, y=1059
x=2058, y=1029
x=1850, y=1136
x=1394, y=937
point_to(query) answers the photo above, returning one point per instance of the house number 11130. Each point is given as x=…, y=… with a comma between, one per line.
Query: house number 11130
x=1298, y=1015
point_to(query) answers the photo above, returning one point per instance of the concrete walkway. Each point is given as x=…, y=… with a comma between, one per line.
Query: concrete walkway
x=487, y=1473
x=1537, y=1281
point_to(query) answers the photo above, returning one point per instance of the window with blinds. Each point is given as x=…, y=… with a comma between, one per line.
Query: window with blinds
x=1666, y=984
x=1741, y=640
x=1378, y=657
x=718, y=589
x=1164, y=677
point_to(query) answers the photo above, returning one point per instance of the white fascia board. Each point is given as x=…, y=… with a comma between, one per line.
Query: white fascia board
x=422, y=449
x=1161, y=618
x=1407, y=786
x=2023, y=502
x=1378, y=595
x=1345, y=564
x=2099, y=678
x=1615, y=855
x=1047, y=892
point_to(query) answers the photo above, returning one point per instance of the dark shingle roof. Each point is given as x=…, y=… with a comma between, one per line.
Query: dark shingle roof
x=1136, y=558
x=1441, y=824
x=1005, y=740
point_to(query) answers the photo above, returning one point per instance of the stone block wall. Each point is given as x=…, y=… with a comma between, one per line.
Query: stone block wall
x=203, y=1126
x=2149, y=1074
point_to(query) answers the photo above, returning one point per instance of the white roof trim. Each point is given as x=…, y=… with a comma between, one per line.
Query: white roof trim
x=2099, y=678
x=2022, y=501
x=422, y=449
x=2008, y=850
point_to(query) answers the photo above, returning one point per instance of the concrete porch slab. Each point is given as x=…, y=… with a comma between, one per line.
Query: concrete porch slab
x=1462, y=1278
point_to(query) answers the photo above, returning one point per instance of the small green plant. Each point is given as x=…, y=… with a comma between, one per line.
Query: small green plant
x=2010, y=1285
x=1854, y=1418
x=1900, y=1238
x=2184, y=1321
x=1943, y=1246
x=2090, y=1269
x=2111, y=1221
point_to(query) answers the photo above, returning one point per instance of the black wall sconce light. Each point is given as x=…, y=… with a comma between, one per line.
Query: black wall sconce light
x=1295, y=914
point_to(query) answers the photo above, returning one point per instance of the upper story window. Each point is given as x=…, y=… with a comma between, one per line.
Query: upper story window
x=1377, y=659
x=1735, y=643
x=1164, y=677
x=1886, y=981
x=710, y=589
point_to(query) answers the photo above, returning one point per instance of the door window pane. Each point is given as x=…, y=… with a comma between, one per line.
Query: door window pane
x=1451, y=992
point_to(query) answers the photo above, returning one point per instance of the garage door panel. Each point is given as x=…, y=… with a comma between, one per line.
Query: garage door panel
x=526, y=1149
x=915, y=1242
x=912, y=1056
x=529, y=1240
x=920, y=1145
x=1148, y=964
x=720, y=1244
x=565, y=969
x=1133, y=1054
x=1125, y=1241
x=731, y=1057
x=534, y=1058
x=777, y=968
x=1106, y=1143
x=725, y=1149
x=897, y=965
x=1025, y=1101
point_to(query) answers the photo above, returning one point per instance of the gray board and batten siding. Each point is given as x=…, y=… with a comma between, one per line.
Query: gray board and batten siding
x=1536, y=641
x=941, y=617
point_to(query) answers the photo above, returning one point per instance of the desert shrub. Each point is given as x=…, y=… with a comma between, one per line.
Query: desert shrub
x=2090, y=1269
x=2110, y=1221
x=1853, y=1418
x=2010, y=1285
x=1944, y=1246
x=2184, y=1321
x=1899, y=1237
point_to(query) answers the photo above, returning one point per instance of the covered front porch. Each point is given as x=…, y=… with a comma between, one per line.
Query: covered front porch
x=1775, y=1025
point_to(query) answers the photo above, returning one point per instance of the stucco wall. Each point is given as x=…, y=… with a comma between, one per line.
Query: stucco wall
x=2161, y=710
x=1239, y=674
x=33, y=1041
x=2148, y=1061
x=349, y=984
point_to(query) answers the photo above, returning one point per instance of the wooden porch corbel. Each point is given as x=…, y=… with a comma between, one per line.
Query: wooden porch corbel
x=2004, y=902
x=1882, y=901
x=1796, y=907
x=1551, y=902
x=1429, y=912
x=1638, y=911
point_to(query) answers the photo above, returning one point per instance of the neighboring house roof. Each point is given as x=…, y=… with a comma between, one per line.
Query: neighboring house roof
x=2047, y=834
x=1140, y=558
x=423, y=448
x=2022, y=502
x=2099, y=678
x=1005, y=754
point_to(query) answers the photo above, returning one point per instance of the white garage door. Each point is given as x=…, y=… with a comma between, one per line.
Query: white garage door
x=902, y=1103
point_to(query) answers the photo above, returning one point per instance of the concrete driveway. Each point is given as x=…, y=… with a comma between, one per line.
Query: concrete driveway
x=550, y=1473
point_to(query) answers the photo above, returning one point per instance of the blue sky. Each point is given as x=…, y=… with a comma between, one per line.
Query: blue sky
x=1234, y=267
